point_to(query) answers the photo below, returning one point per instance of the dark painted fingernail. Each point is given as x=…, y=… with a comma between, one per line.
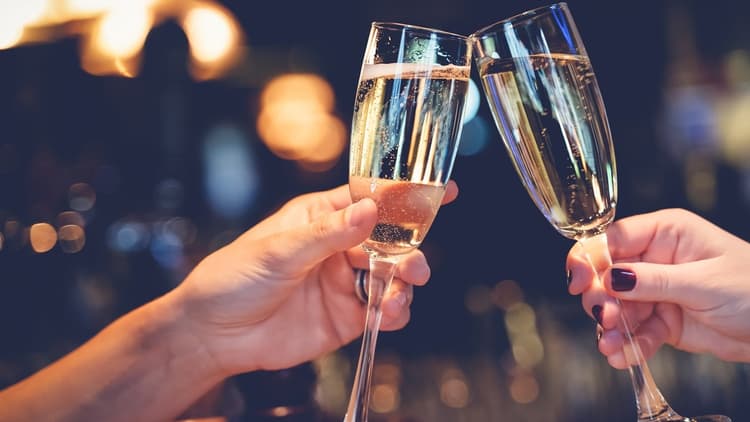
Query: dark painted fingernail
x=622, y=280
x=596, y=311
x=570, y=277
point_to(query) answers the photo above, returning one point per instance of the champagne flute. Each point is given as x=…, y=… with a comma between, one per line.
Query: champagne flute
x=405, y=130
x=546, y=103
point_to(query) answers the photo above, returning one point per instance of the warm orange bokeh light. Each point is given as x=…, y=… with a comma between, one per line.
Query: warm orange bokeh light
x=114, y=31
x=43, y=237
x=122, y=31
x=214, y=37
x=306, y=88
x=15, y=16
x=296, y=123
x=524, y=389
x=331, y=144
x=10, y=35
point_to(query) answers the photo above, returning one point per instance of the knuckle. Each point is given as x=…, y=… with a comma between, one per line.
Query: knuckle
x=660, y=283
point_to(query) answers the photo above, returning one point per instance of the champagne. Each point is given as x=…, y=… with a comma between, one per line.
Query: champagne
x=553, y=123
x=405, y=131
x=405, y=212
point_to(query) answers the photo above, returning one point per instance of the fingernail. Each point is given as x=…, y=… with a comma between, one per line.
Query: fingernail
x=599, y=332
x=596, y=311
x=570, y=276
x=401, y=299
x=622, y=280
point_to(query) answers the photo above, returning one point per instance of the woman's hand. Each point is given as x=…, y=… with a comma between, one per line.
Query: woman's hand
x=683, y=280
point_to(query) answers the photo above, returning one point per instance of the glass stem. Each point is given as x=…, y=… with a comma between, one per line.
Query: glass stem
x=650, y=403
x=382, y=270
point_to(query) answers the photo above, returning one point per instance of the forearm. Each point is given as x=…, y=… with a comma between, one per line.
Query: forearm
x=146, y=366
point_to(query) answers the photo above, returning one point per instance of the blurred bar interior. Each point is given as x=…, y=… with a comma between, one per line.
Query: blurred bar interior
x=136, y=136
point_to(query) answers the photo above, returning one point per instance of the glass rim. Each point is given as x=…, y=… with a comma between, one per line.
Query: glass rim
x=396, y=25
x=525, y=15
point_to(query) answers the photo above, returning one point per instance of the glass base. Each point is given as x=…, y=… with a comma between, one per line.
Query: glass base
x=709, y=418
x=706, y=418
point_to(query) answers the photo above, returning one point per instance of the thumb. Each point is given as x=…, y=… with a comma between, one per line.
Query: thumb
x=335, y=232
x=682, y=284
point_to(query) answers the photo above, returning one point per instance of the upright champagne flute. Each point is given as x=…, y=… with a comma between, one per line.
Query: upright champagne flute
x=541, y=88
x=405, y=130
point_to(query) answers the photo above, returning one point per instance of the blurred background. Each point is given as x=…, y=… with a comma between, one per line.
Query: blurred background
x=136, y=136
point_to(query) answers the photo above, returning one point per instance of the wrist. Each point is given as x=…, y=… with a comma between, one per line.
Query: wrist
x=186, y=348
x=225, y=347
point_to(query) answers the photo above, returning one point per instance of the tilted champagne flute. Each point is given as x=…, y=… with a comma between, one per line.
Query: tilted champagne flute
x=405, y=130
x=546, y=103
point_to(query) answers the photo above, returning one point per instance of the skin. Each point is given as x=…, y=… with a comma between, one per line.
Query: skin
x=691, y=289
x=279, y=295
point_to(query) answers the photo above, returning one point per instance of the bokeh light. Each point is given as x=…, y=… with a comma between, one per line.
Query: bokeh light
x=473, y=99
x=127, y=236
x=307, y=88
x=43, y=237
x=506, y=293
x=478, y=299
x=231, y=177
x=122, y=31
x=454, y=392
x=214, y=37
x=72, y=238
x=10, y=35
x=210, y=32
x=81, y=196
x=385, y=398
x=70, y=217
x=296, y=121
x=524, y=388
x=474, y=137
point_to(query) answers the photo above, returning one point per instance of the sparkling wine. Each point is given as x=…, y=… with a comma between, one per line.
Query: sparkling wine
x=405, y=131
x=405, y=212
x=552, y=120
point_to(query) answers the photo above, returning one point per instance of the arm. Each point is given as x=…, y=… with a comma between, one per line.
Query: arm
x=146, y=366
x=279, y=295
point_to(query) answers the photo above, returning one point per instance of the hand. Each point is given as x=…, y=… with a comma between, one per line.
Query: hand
x=683, y=281
x=283, y=292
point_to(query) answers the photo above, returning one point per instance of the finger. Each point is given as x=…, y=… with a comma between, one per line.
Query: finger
x=622, y=357
x=596, y=302
x=339, y=197
x=650, y=336
x=358, y=257
x=661, y=237
x=310, y=244
x=687, y=284
x=610, y=342
x=580, y=274
x=451, y=192
x=413, y=268
x=398, y=322
x=398, y=298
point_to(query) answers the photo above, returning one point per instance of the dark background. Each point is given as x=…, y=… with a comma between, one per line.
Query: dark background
x=663, y=80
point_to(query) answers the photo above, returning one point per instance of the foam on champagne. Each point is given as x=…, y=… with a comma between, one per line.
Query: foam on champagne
x=401, y=70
